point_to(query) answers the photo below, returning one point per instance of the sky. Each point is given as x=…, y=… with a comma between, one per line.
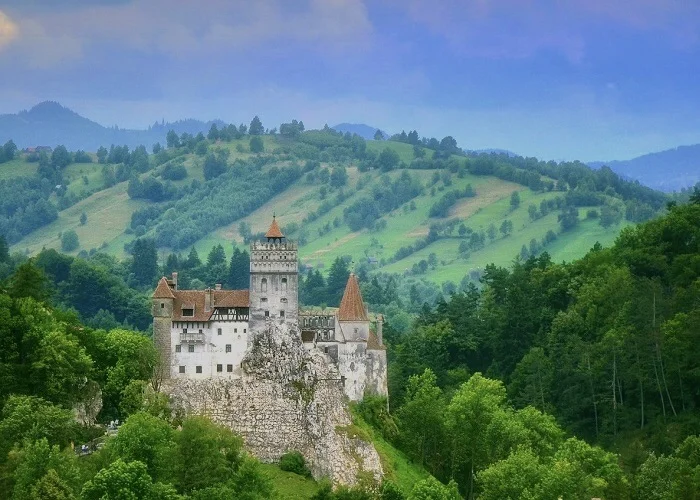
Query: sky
x=556, y=79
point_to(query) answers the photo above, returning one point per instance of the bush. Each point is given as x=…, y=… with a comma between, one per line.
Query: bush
x=293, y=461
x=69, y=241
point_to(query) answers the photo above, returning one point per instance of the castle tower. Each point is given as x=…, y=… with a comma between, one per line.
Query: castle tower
x=162, y=310
x=273, y=280
x=352, y=315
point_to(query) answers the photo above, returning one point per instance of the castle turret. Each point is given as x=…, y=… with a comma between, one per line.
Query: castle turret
x=352, y=314
x=162, y=310
x=273, y=279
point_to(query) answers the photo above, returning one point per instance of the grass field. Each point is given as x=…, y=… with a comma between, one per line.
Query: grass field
x=108, y=212
x=17, y=168
x=290, y=486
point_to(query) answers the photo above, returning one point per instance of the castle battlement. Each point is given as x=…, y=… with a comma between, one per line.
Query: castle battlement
x=264, y=245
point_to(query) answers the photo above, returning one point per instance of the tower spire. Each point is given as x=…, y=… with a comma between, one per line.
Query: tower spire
x=274, y=233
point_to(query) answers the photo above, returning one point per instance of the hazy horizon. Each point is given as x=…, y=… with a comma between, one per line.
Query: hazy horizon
x=585, y=80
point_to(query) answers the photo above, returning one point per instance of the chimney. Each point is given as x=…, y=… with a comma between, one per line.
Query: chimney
x=175, y=281
x=217, y=286
x=380, y=323
x=207, y=300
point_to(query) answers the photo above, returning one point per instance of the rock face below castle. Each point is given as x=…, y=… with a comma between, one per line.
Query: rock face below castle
x=287, y=398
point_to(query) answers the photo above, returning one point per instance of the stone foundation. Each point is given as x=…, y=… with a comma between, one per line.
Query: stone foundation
x=287, y=399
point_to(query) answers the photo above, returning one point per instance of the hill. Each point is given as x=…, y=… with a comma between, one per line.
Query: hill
x=442, y=218
x=670, y=170
x=364, y=131
x=50, y=124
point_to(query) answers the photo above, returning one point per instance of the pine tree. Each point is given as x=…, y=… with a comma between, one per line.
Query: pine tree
x=239, y=270
x=337, y=279
x=144, y=267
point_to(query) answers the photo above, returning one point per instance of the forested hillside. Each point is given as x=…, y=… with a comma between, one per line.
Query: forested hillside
x=416, y=208
x=548, y=380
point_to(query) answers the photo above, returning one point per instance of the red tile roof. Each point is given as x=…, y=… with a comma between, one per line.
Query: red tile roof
x=163, y=290
x=274, y=231
x=195, y=299
x=351, y=307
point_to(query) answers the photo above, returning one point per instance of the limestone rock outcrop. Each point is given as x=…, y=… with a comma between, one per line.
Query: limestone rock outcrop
x=288, y=398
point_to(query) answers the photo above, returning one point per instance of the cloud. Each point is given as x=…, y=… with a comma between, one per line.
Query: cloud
x=8, y=30
x=186, y=29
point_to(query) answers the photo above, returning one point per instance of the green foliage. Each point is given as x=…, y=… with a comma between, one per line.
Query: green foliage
x=69, y=241
x=148, y=440
x=293, y=461
x=144, y=265
x=514, y=200
x=441, y=207
x=387, y=160
x=256, y=144
x=29, y=418
x=432, y=489
x=39, y=468
x=256, y=126
x=207, y=454
x=126, y=481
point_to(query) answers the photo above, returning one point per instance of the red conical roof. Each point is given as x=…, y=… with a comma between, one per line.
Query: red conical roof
x=274, y=231
x=163, y=290
x=351, y=307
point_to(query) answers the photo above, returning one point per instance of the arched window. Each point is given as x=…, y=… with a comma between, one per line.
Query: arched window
x=263, y=285
x=284, y=284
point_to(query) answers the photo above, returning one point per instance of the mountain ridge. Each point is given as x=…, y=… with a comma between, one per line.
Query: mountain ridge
x=49, y=123
x=667, y=170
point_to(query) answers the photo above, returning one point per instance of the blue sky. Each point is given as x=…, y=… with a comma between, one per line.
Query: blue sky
x=593, y=79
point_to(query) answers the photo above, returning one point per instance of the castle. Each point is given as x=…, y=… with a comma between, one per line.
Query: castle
x=205, y=334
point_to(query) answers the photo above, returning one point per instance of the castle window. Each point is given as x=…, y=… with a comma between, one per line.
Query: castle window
x=263, y=300
x=229, y=368
x=281, y=314
x=263, y=285
x=178, y=348
x=184, y=330
x=198, y=369
x=190, y=348
x=200, y=330
x=228, y=347
x=188, y=312
x=162, y=305
x=245, y=330
x=218, y=331
x=182, y=369
x=355, y=330
x=284, y=284
x=219, y=368
x=235, y=330
x=267, y=314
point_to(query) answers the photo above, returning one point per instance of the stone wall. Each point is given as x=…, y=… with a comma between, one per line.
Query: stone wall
x=287, y=399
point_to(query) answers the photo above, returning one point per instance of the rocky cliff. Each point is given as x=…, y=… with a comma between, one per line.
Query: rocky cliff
x=287, y=399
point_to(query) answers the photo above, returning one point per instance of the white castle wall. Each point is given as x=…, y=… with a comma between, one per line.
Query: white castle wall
x=211, y=351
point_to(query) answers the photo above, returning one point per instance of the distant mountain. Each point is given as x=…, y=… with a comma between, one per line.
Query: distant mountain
x=668, y=170
x=360, y=129
x=49, y=124
x=494, y=151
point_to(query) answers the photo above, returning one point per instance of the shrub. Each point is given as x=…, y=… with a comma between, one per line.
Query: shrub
x=69, y=241
x=293, y=461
